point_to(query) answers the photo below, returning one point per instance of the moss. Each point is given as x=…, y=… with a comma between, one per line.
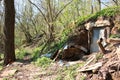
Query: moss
x=105, y=12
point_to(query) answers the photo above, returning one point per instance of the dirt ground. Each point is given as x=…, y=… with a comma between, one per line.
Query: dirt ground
x=109, y=70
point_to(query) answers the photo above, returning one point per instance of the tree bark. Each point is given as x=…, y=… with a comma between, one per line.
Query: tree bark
x=9, y=25
x=99, y=2
x=116, y=2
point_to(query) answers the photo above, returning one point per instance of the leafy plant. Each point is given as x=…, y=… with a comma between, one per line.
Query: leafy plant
x=35, y=54
x=20, y=54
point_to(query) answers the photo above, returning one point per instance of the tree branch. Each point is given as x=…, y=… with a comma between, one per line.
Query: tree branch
x=62, y=10
x=40, y=11
x=104, y=4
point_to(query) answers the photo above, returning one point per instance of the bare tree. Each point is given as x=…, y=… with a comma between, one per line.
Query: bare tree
x=9, y=24
x=99, y=2
x=116, y=2
x=51, y=16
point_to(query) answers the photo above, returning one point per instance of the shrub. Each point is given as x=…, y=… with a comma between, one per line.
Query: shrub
x=20, y=54
x=35, y=54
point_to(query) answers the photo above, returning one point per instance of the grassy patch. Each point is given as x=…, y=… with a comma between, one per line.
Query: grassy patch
x=71, y=72
x=43, y=62
x=68, y=73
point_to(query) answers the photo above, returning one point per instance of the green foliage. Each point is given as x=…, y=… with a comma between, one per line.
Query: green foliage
x=115, y=36
x=105, y=12
x=1, y=55
x=20, y=54
x=5, y=78
x=35, y=54
x=1, y=61
x=71, y=71
x=43, y=62
x=1, y=65
x=63, y=39
x=59, y=77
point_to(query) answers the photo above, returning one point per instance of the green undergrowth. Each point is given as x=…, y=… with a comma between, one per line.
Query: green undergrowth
x=36, y=54
x=43, y=62
x=1, y=56
x=68, y=72
x=71, y=72
x=20, y=54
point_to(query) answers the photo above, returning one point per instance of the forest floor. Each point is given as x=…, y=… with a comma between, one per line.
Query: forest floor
x=26, y=70
x=95, y=66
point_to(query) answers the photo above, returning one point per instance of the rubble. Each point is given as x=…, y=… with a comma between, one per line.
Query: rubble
x=105, y=69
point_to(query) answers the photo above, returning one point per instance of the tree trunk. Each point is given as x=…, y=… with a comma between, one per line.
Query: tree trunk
x=9, y=25
x=116, y=2
x=99, y=2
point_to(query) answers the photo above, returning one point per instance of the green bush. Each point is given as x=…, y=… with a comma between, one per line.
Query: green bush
x=20, y=54
x=35, y=54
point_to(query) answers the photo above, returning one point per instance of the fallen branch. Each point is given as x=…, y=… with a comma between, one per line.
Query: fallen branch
x=91, y=67
x=90, y=60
